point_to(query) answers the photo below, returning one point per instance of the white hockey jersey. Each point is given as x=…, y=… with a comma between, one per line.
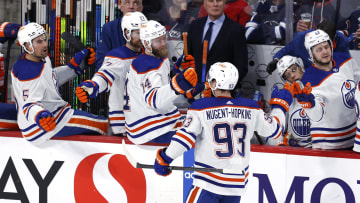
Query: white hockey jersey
x=357, y=110
x=298, y=124
x=220, y=130
x=333, y=119
x=111, y=77
x=148, y=102
x=35, y=87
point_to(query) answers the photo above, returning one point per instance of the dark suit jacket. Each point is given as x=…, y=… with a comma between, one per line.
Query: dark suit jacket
x=229, y=46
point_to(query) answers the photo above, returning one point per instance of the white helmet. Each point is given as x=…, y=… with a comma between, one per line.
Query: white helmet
x=29, y=32
x=151, y=30
x=285, y=62
x=225, y=74
x=314, y=38
x=132, y=21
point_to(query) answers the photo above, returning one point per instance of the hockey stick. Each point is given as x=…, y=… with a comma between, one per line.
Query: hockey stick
x=204, y=59
x=184, y=34
x=6, y=70
x=136, y=164
x=71, y=39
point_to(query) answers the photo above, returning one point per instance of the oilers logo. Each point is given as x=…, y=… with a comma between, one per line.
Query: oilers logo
x=300, y=123
x=348, y=93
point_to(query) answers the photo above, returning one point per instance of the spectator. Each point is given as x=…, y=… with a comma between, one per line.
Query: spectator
x=267, y=25
x=226, y=40
x=296, y=46
x=335, y=11
x=354, y=29
x=42, y=113
x=112, y=35
x=330, y=104
x=237, y=10
x=291, y=69
x=151, y=115
x=112, y=74
x=222, y=140
x=8, y=31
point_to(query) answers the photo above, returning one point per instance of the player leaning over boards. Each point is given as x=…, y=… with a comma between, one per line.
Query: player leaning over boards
x=220, y=129
x=150, y=114
x=330, y=103
x=42, y=113
x=112, y=74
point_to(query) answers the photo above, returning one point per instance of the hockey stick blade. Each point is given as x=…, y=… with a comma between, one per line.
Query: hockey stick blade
x=71, y=39
x=135, y=164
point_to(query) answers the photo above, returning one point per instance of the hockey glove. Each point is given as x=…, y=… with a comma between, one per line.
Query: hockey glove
x=288, y=141
x=183, y=63
x=191, y=93
x=162, y=162
x=281, y=98
x=45, y=120
x=87, y=89
x=184, y=81
x=79, y=57
x=271, y=66
x=207, y=90
x=8, y=30
x=305, y=98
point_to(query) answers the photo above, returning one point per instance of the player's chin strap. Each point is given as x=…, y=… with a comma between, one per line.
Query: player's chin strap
x=136, y=164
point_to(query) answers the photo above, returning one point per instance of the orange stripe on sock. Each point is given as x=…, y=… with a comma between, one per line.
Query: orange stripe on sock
x=193, y=195
x=81, y=121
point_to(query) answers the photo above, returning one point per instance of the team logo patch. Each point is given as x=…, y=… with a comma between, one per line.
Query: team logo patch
x=300, y=123
x=348, y=93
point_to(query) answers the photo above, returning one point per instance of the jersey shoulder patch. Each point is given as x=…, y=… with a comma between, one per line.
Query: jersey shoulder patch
x=145, y=63
x=214, y=102
x=123, y=53
x=27, y=70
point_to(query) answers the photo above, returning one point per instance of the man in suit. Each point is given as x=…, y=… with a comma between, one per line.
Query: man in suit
x=227, y=41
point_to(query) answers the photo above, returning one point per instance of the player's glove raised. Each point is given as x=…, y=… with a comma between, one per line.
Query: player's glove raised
x=162, y=162
x=271, y=66
x=87, y=89
x=8, y=30
x=191, y=93
x=305, y=98
x=184, y=81
x=45, y=120
x=281, y=98
x=79, y=57
x=183, y=63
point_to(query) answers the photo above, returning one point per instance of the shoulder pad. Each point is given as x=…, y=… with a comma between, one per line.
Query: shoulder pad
x=27, y=70
x=122, y=52
x=145, y=63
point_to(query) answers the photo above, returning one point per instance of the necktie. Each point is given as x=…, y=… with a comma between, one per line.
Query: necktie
x=208, y=34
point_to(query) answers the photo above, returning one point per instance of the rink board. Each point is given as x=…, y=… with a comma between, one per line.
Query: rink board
x=94, y=169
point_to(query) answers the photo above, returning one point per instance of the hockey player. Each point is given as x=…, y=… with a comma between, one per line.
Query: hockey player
x=150, y=114
x=112, y=74
x=357, y=110
x=291, y=69
x=330, y=104
x=7, y=111
x=220, y=129
x=42, y=113
x=296, y=46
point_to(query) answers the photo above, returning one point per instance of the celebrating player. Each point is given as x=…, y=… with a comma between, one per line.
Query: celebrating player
x=291, y=69
x=220, y=129
x=330, y=104
x=150, y=114
x=112, y=74
x=42, y=113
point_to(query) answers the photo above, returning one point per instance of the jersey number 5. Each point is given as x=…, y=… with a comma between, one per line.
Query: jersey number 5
x=226, y=138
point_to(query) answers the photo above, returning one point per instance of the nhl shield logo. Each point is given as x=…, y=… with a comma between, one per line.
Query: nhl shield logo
x=348, y=93
x=300, y=123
